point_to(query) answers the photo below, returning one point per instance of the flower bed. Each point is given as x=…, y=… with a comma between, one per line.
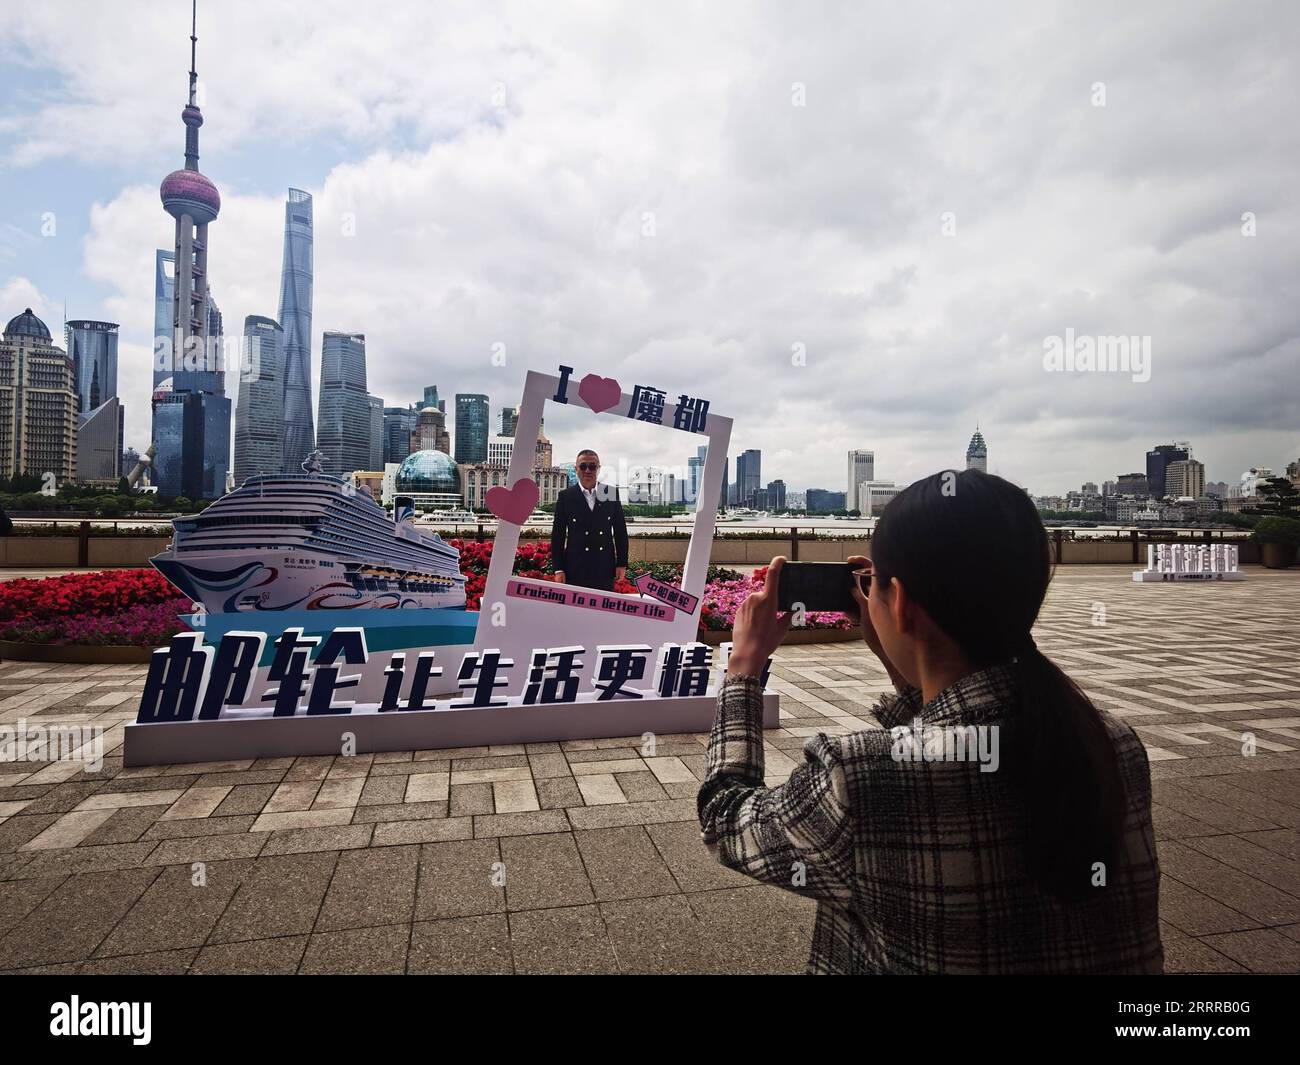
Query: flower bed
x=140, y=609
x=117, y=608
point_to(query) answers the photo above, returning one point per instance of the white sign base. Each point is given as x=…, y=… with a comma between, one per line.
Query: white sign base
x=228, y=739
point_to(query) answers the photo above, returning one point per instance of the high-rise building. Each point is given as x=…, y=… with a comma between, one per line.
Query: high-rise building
x=192, y=415
x=376, y=432
x=259, y=417
x=823, y=501
x=1132, y=484
x=1158, y=460
x=749, y=472
x=99, y=444
x=776, y=495
x=500, y=450
x=509, y=419
x=430, y=433
x=164, y=296
x=295, y=319
x=431, y=399
x=471, y=427
x=977, y=453
x=1185, y=479
x=695, y=473
x=862, y=467
x=343, y=432
x=38, y=403
x=92, y=347
x=399, y=424
x=724, y=491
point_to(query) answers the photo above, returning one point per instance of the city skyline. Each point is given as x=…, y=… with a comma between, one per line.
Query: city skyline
x=592, y=276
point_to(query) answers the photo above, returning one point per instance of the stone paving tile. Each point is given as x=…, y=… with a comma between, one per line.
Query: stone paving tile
x=73, y=919
x=544, y=871
x=623, y=863
x=158, y=963
x=566, y=941
x=263, y=957
x=395, y=833
x=281, y=897
x=461, y=946
x=125, y=826
x=19, y=897
x=371, y=887
x=173, y=912
x=456, y=880
x=368, y=951
x=471, y=799
x=598, y=838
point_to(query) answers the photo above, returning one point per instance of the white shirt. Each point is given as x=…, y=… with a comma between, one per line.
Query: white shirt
x=590, y=496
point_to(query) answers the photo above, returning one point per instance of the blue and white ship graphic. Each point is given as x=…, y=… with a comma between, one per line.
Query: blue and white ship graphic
x=310, y=541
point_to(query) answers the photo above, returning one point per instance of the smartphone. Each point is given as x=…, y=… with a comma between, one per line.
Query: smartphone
x=820, y=586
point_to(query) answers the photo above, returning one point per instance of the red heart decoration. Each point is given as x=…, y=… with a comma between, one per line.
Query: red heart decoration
x=599, y=393
x=515, y=503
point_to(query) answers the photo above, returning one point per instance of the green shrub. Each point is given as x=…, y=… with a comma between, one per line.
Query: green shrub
x=1275, y=530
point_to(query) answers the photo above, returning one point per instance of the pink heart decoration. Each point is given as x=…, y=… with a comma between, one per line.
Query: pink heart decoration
x=599, y=393
x=515, y=503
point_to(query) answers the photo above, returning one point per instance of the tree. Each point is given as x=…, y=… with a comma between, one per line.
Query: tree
x=1279, y=498
x=123, y=486
x=182, y=503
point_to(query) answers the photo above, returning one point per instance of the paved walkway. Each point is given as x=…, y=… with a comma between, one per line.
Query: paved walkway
x=385, y=863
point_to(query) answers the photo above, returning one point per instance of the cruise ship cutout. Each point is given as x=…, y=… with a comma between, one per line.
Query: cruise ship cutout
x=309, y=541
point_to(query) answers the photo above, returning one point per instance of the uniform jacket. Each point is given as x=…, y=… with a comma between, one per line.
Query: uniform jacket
x=588, y=544
x=921, y=867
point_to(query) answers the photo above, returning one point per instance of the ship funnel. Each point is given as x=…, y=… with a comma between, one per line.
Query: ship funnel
x=403, y=509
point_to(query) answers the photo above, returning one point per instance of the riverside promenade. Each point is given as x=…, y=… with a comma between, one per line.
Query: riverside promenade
x=384, y=863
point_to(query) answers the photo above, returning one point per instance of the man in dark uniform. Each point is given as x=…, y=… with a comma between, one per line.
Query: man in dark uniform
x=589, y=533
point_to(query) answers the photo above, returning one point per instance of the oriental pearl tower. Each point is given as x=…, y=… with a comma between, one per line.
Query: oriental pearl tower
x=192, y=418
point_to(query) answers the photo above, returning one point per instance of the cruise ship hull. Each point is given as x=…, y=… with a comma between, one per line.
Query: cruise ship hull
x=227, y=582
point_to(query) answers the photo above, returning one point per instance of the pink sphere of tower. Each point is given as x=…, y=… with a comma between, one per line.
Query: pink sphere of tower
x=189, y=192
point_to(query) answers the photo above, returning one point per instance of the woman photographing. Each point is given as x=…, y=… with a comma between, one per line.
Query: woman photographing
x=1046, y=864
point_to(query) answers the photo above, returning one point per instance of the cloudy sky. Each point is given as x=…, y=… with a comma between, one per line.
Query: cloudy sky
x=846, y=225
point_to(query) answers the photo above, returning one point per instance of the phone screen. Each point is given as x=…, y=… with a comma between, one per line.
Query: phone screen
x=818, y=586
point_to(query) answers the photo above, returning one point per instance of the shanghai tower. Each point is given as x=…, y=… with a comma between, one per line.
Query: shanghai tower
x=295, y=320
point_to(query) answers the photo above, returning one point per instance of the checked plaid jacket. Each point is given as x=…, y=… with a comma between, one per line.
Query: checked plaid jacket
x=921, y=867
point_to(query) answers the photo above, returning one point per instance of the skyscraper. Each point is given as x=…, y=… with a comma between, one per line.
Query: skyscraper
x=376, y=404
x=192, y=418
x=164, y=295
x=399, y=424
x=471, y=427
x=295, y=320
x=509, y=419
x=431, y=399
x=977, y=453
x=92, y=347
x=1158, y=461
x=1185, y=479
x=38, y=403
x=430, y=432
x=749, y=472
x=343, y=430
x=259, y=418
x=862, y=467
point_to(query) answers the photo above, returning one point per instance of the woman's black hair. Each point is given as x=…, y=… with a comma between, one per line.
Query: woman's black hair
x=971, y=550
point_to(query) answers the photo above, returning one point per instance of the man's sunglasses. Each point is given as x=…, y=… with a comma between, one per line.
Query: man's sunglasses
x=588, y=467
